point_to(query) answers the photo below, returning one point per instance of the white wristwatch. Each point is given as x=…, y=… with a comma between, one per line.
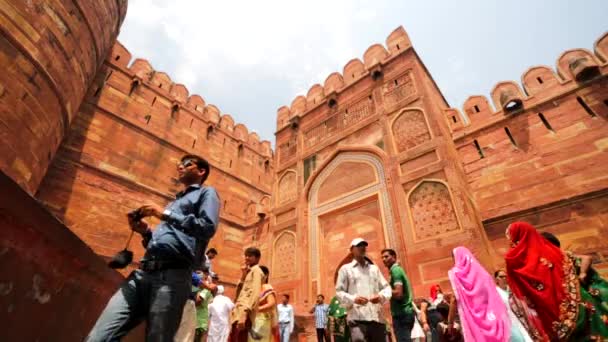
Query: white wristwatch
x=166, y=214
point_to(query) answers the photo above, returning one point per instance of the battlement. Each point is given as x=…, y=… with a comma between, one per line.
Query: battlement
x=142, y=73
x=539, y=84
x=374, y=58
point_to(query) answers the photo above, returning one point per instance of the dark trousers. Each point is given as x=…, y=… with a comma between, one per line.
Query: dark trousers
x=402, y=327
x=157, y=297
x=321, y=335
x=362, y=331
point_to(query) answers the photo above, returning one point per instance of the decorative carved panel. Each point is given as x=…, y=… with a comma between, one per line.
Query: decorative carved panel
x=287, y=188
x=284, y=254
x=399, y=90
x=432, y=210
x=410, y=129
x=352, y=114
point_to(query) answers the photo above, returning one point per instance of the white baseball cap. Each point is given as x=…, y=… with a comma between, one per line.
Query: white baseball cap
x=357, y=242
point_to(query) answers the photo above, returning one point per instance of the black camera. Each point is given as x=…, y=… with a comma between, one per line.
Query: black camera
x=135, y=215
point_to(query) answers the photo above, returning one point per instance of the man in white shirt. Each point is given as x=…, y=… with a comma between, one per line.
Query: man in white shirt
x=286, y=319
x=219, y=317
x=362, y=289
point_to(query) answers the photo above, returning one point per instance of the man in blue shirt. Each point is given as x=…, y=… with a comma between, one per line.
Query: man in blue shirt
x=158, y=290
x=320, y=311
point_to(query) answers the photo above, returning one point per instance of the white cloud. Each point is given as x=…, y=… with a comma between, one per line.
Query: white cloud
x=200, y=42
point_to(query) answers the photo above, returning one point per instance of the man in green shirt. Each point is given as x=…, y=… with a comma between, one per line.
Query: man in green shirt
x=401, y=299
x=203, y=298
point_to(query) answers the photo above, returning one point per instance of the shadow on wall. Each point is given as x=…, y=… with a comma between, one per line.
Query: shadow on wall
x=52, y=285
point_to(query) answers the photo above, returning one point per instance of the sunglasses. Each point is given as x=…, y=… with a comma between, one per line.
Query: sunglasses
x=186, y=163
x=502, y=276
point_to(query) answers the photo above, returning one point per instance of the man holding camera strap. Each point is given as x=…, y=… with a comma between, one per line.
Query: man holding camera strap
x=158, y=290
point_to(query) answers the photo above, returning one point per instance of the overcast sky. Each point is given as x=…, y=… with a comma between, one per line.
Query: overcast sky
x=251, y=57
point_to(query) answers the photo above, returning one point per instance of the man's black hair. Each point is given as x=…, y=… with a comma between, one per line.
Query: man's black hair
x=497, y=272
x=322, y=296
x=551, y=238
x=212, y=251
x=391, y=252
x=253, y=251
x=201, y=164
x=286, y=296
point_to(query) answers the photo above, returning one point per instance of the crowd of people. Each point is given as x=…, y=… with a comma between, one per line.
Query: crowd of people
x=542, y=294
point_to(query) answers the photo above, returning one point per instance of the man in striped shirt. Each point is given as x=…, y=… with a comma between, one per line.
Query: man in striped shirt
x=320, y=311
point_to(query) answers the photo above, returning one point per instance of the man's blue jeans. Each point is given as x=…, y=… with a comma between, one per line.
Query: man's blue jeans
x=157, y=297
x=284, y=332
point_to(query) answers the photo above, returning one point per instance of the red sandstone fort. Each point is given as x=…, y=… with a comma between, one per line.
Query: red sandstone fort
x=89, y=132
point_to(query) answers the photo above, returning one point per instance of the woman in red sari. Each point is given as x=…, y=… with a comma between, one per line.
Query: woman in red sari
x=544, y=277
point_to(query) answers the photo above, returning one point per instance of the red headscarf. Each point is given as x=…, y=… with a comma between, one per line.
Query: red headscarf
x=435, y=289
x=535, y=271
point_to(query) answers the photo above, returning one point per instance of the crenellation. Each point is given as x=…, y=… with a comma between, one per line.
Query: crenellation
x=507, y=97
x=120, y=55
x=600, y=47
x=374, y=55
x=196, y=103
x=227, y=123
x=161, y=80
x=477, y=108
x=298, y=106
x=538, y=80
x=333, y=83
x=454, y=118
x=142, y=68
x=179, y=93
x=398, y=41
x=571, y=61
x=353, y=70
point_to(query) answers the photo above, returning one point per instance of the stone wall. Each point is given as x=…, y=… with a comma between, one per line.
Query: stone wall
x=122, y=149
x=52, y=285
x=50, y=52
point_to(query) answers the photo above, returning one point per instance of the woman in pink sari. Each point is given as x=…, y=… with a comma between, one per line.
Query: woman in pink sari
x=483, y=314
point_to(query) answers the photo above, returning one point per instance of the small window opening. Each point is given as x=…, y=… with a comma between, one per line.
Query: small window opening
x=606, y=102
x=147, y=118
x=224, y=142
x=266, y=166
x=230, y=163
x=396, y=82
x=209, y=132
x=153, y=100
x=346, y=111
x=194, y=143
x=160, y=85
x=353, y=75
x=585, y=106
x=240, y=151
x=196, y=108
x=397, y=46
x=191, y=122
x=369, y=97
x=117, y=57
x=332, y=103
x=479, y=150
x=476, y=109
x=376, y=75
x=540, y=80
x=510, y=136
x=545, y=122
x=454, y=119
